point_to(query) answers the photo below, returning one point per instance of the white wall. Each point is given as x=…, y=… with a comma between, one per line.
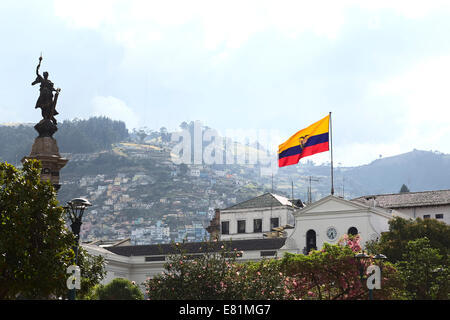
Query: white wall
x=341, y=215
x=284, y=214
x=419, y=212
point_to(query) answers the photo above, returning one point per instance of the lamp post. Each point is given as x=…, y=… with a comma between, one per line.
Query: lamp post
x=75, y=210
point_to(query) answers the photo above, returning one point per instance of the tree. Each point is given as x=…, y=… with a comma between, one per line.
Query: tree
x=216, y=275
x=92, y=273
x=35, y=243
x=142, y=134
x=165, y=135
x=404, y=189
x=119, y=289
x=425, y=272
x=333, y=273
x=184, y=125
x=394, y=242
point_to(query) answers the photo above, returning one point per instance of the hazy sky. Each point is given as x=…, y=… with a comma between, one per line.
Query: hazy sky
x=381, y=67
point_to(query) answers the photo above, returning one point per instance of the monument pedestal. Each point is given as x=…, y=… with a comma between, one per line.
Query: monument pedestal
x=46, y=150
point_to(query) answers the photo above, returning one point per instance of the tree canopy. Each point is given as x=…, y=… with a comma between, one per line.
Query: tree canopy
x=394, y=243
x=76, y=136
x=118, y=289
x=35, y=245
x=404, y=189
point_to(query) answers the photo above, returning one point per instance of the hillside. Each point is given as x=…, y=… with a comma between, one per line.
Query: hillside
x=138, y=191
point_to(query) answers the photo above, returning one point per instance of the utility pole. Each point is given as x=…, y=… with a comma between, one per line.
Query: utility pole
x=310, y=189
x=292, y=191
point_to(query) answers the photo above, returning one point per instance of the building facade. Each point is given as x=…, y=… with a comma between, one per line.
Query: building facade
x=254, y=218
x=424, y=205
x=330, y=218
x=310, y=227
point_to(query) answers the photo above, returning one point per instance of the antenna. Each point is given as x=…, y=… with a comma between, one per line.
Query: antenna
x=310, y=188
x=292, y=191
x=343, y=186
x=272, y=182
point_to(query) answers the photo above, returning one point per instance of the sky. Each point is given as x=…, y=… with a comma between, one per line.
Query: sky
x=381, y=67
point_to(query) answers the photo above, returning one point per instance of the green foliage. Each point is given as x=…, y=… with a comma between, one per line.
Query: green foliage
x=216, y=275
x=92, y=272
x=333, y=273
x=94, y=134
x=35, y=245
x=76, y=136
x=394, y=242
x=404, y=189
x=118, y=289
x=425, y=272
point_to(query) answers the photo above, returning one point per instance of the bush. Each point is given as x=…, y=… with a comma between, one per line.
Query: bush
x=215, y=275
x=333, y=273
x=118, y=289
x=425, y=272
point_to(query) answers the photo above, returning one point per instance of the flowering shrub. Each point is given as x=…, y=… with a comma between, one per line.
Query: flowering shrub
x=216, y=275
x=351, y=241
x=331, y=273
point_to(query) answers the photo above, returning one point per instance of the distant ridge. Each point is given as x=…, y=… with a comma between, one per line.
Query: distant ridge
x=16, y=124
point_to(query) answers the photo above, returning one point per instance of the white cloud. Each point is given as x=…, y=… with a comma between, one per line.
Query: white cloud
x=423, y=100
x=115, y=109
x=228, y=23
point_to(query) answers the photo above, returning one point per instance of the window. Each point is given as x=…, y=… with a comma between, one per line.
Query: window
x=241, y=226
x=257, y=225
x=268, y=253
x=353, y=231
x=274, y=223
x=440, y=216
x=225, y=227
x=155, y=258
x=426, y=216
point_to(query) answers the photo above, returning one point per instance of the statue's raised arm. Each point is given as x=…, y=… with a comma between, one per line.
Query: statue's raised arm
x=38, y=76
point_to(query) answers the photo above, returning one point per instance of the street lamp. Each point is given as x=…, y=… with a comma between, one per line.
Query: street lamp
x=75, y=210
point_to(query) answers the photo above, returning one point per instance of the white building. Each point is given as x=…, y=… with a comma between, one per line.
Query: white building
x=254, y=218
x=323, y=221
x=328, y=219
x=138, y=263
x=425, y=205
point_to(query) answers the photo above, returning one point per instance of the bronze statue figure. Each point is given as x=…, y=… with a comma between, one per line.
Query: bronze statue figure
x=46, y=101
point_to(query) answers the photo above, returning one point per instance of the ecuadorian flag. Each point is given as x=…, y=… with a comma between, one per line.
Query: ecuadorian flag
x=306, y=142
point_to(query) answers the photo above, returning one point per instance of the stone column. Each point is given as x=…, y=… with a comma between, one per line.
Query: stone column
x=46, y=150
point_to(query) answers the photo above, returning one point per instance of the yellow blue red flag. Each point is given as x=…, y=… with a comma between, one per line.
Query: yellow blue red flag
x=306, y=142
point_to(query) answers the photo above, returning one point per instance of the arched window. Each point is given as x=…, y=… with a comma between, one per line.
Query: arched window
x=310, y=241
x=353, y=231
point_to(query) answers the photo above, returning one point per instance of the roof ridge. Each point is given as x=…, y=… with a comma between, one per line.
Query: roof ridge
x=400, y=193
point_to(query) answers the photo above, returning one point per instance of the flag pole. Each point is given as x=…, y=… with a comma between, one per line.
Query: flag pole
x=331, y=153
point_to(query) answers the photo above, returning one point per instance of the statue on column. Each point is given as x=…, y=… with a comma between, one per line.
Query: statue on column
x=45, y=148
x=47, y=103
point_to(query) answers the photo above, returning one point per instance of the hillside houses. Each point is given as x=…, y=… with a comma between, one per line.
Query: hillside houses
x=151, y=189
